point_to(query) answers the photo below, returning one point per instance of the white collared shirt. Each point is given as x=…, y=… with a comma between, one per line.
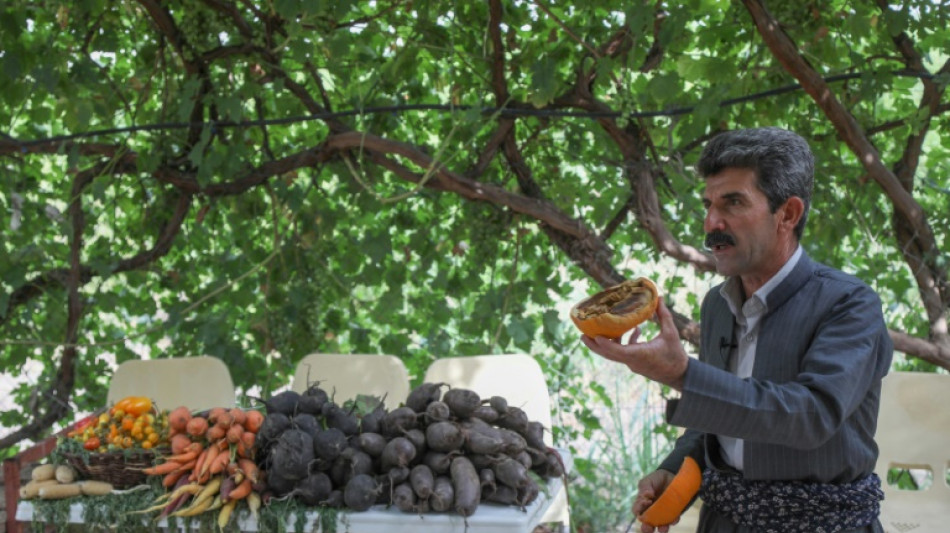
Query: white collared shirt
x=742, y=355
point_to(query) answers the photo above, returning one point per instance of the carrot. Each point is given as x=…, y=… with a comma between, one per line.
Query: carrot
x=172, y=477
x=199, y=464
x=250, y=469
x=162, y=469
x=254, y=504
x=210, y=489
x=241, y=491
x=178, y=418
x=173, y=506
x=249, y=438
x=220, y=463
x=197, y=426
x=215, y=433
x=212, y=452
x=162, y=505
x=225, y=420
x=188, y=488
x=187, y=467
x=671, y=503
x=183, y=457
x=170, y=501
x=215, y=413
x=238, y=415
x=225, y=515
x=234, y=433
x=253, y=421
x=194, y=509
x=179, y=442
x=242, y=450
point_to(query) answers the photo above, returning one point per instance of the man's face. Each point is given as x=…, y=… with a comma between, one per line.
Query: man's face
x=740, y=230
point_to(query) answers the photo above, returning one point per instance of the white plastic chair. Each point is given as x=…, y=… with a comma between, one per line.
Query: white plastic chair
x=198, y=383
x=913, y=432
x=346, y=376
x=519, y=379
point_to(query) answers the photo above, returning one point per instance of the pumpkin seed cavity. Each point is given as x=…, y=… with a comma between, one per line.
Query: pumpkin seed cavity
x=625, y=298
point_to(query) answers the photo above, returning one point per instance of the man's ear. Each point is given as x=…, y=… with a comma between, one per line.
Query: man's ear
x=792, y=211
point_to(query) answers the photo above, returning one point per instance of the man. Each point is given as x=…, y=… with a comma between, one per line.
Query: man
x=781, y=405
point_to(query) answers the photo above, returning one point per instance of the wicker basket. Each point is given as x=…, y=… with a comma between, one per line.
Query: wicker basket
x=123, y=469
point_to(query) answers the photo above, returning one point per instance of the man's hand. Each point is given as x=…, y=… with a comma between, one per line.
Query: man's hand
x=648, y=490
x=661, y=359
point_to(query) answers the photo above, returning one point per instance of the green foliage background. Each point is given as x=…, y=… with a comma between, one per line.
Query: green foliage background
x=504, y=150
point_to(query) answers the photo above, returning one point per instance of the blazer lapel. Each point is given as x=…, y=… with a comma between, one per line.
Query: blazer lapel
x=720, y=336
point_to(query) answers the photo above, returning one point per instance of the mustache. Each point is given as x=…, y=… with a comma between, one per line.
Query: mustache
x=719, y=237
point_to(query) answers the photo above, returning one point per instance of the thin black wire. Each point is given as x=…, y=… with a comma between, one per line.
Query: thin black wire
x=505, y=112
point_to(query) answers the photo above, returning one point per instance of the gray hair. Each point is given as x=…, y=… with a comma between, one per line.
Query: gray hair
x=782, y=161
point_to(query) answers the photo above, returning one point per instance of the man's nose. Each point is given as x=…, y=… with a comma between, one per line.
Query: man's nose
x=713, y=221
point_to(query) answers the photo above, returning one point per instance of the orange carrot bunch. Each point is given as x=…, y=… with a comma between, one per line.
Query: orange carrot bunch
x=211, y=465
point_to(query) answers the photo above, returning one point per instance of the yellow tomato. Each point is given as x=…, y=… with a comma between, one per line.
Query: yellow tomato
x=134, y=405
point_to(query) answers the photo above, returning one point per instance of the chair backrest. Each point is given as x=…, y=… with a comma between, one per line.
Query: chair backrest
x=516, y=377
x=200, y=382
x=913, y=432
x=346, y=376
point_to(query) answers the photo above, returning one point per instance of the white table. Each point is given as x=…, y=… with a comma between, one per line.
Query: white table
x=549, y=506
x=488, y=518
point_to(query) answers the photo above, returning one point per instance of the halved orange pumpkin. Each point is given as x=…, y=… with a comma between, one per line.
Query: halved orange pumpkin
x=616, y=310
x=673, y=501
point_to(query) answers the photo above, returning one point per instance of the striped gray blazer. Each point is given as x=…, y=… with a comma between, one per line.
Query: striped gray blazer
x=809, y=411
